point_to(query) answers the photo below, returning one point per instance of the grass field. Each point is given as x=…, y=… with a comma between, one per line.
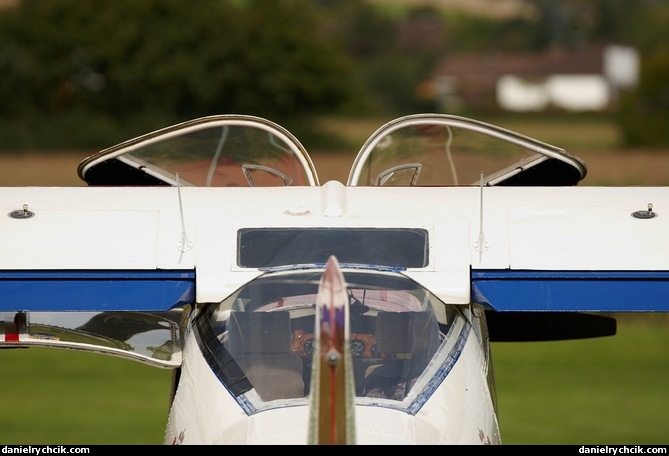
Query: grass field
x=598, y=391
x=609, y=390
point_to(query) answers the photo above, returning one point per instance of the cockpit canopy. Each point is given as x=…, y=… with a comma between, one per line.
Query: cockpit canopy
x=262, y=337
x=415, y=150
x=440, y=150
x=216, y=151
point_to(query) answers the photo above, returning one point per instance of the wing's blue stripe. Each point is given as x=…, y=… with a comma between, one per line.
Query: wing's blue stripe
x=154, y=290
x=572, y=291
x=97, y=274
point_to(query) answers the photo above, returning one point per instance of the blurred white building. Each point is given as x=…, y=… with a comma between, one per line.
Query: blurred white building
x=588, y=78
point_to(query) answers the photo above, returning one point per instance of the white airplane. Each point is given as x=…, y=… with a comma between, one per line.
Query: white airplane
x=295, y=312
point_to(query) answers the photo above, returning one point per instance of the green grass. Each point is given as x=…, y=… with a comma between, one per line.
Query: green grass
x=610, y=390
x=62, y=397
x=571, y=132
x=579, y=133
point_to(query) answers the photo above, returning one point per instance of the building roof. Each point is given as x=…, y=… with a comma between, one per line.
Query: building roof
x=586, y=59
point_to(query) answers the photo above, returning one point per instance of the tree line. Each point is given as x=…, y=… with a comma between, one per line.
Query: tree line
x=90, y=74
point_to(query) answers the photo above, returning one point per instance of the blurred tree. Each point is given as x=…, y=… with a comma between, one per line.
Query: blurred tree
x=643, y=112
x=93, y=73
x=574, y=22
x=159, y=61
x=393, y=50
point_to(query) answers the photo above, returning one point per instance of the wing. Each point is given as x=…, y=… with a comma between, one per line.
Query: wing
x=94, y=278
x=542, y=259
x=189, y=239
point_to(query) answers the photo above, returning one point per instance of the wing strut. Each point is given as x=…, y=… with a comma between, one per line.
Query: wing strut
x=185, y=244
x=481, y=245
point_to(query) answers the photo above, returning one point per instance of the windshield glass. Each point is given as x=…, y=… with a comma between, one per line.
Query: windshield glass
x=263, y=336
x=217, y=151
x=434, y=149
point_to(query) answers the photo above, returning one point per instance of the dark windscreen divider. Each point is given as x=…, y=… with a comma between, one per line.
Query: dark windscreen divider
x=392, y=247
